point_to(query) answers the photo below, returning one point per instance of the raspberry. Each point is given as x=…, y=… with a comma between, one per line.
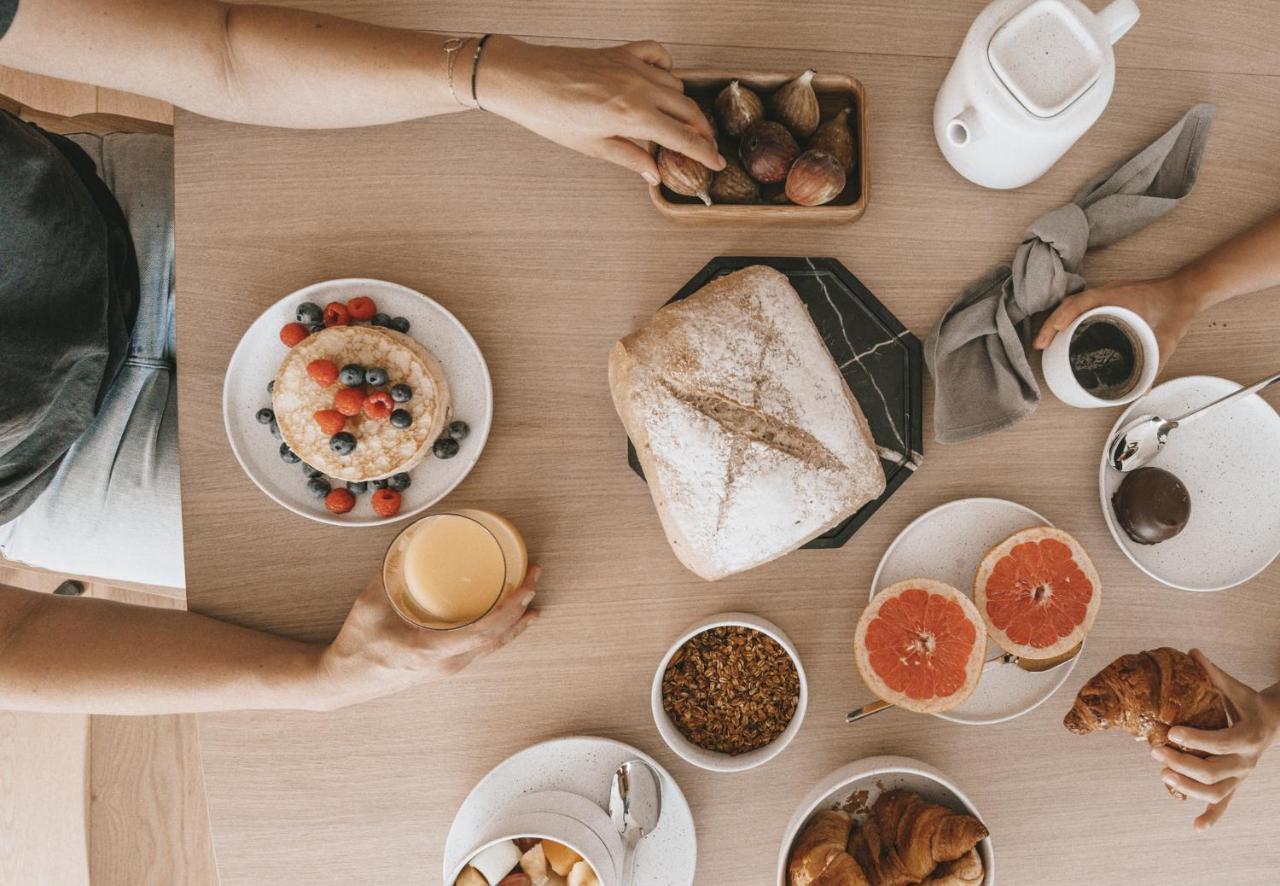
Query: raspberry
x=386, y=502
x=378, y=405
x=336, y=314
x=340, y=501
x=361, y=308
x=292, y=333
x=323, y=371
x=331, y=421
x=348, y=401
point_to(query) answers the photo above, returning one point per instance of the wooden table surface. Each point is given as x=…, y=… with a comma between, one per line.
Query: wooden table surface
x=548, y=257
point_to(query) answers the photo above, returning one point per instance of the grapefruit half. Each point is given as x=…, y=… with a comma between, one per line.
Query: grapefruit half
x=920, y=645
x=1038, y=592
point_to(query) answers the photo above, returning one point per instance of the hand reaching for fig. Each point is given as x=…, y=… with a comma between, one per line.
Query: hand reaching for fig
x=597, y=101
x=1231, y=753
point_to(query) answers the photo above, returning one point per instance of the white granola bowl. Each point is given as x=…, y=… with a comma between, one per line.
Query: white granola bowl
x=714, y=760
x=875, y=775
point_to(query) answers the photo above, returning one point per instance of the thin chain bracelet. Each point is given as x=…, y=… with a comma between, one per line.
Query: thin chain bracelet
x=451, y=48
x=475, y=67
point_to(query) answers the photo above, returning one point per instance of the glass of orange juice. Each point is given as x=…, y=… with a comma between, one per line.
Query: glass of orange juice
x=450, y=568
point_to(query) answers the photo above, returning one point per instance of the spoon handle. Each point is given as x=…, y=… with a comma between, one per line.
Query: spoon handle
x=629, y=862
x=867, y=710
x=1234, y=395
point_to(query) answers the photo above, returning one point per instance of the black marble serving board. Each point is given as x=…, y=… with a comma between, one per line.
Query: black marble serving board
x=881, y=362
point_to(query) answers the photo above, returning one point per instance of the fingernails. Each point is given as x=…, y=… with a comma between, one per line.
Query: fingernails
x=723, y=162
x=651, y=178
x=527, y=598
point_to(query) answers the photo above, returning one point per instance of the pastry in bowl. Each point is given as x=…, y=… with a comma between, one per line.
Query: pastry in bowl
x=347, y=427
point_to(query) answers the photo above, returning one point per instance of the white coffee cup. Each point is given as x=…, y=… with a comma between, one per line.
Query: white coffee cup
x=1056, y=363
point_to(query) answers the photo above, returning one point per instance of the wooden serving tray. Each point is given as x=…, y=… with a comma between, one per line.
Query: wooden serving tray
x=835, y=91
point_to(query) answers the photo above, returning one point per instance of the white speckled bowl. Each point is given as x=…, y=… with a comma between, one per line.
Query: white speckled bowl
x=713, y=760
x=876, y=775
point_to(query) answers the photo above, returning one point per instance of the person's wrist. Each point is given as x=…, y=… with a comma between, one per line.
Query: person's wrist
x=1193, y=288
x=499, y=72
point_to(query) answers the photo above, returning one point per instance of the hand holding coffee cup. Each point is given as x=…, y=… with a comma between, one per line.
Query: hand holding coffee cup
x=1108, y=356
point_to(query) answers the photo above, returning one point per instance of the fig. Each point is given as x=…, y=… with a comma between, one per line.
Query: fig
x=815, y=178
x=835, y=138
x=733, y=185
x=738, y=107
x=795, y=105
x=684, y=175
x=767, y=151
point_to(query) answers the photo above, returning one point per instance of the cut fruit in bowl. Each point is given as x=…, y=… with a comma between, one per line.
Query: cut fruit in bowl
x=1038, y=593
x=920, y=645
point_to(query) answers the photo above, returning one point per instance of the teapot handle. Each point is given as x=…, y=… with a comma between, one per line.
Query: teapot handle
x=1118, y=18
x=964, y=127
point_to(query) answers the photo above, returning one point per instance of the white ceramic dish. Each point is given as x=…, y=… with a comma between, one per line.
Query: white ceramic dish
x=258, y=355
x=581, y=767
x=1230, y=463
x=567, y=819
x=713, y=760
x=947, y=544
x=876, y=775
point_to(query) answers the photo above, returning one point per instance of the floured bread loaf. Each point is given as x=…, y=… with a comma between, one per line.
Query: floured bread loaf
x=750, y=440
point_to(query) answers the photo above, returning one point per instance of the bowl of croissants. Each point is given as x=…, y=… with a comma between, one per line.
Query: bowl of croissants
x=886, y=821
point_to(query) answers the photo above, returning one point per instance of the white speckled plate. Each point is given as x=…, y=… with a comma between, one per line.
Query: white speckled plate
x=1230, y=463
x=947, y=544
x=582, y=765
x=257, y=357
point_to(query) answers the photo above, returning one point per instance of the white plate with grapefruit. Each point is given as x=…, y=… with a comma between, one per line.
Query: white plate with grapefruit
x=963, y=585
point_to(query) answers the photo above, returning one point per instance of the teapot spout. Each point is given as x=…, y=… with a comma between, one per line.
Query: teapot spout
x=1118, y=18
x=964, y=128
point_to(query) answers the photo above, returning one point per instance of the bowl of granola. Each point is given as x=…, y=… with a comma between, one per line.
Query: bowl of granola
x=730, y=694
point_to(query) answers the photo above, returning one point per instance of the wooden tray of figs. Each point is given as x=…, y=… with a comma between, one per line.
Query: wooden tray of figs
x=835, y=92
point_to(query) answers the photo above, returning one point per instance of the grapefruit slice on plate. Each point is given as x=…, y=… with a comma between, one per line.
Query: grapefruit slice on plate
x=920, y=645
x=1039, y=593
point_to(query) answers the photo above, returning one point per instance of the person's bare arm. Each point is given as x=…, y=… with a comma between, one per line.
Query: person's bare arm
x=288, y=67
x=1248, y=262
x=83, y=655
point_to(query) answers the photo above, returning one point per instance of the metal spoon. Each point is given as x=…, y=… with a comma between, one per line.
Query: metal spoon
x=635, y=805
x=1141, y=440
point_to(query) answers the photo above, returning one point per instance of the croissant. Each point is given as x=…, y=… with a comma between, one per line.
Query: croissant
x=966, y=870
x=818, y=857
x=1145, y=693
x=905, y=838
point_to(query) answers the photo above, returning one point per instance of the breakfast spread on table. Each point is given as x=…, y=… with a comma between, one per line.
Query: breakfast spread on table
x=527, y=861
x=903, y=839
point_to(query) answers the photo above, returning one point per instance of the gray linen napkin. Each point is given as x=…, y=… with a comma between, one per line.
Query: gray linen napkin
x=977, y=351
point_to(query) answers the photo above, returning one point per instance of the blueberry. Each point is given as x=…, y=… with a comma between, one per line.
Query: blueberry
x=458, y=430
x=290, y=457
x=342, y=443
x=400, y=418
x=381, y=319
x=399, y=482
x=351, y=375
x=380, y=484
x=375, y=376
x=357, y=487
x=265, y=416
x=271, y=386
x=309, y=313
x=399, y=324
x=311, y=472
x=401, y=393
x=275, y=429
x=319, y=487
x=445, y=447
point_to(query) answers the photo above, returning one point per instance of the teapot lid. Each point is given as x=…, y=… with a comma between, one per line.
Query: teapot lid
x=1046, y=56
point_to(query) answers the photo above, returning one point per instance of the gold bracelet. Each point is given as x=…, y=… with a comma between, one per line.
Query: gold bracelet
x=451, y=48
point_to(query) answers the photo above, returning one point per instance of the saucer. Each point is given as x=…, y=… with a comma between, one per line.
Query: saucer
x=582, y=765
x=1230, y=463
x=947, y=544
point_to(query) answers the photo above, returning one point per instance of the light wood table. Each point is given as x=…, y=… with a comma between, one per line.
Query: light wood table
x=548, y=257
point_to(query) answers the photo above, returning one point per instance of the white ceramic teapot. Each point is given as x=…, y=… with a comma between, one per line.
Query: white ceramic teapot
x=1031, y=77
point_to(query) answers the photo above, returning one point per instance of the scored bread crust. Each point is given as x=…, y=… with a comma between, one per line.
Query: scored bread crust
x=750, y=440
x=973, y=665
x=1064, y=644
x=381, y=448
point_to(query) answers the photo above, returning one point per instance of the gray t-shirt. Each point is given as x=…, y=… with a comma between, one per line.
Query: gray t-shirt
x=68, y=298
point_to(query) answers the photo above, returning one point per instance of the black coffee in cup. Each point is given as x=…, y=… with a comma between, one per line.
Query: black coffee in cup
x=1106, y=357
